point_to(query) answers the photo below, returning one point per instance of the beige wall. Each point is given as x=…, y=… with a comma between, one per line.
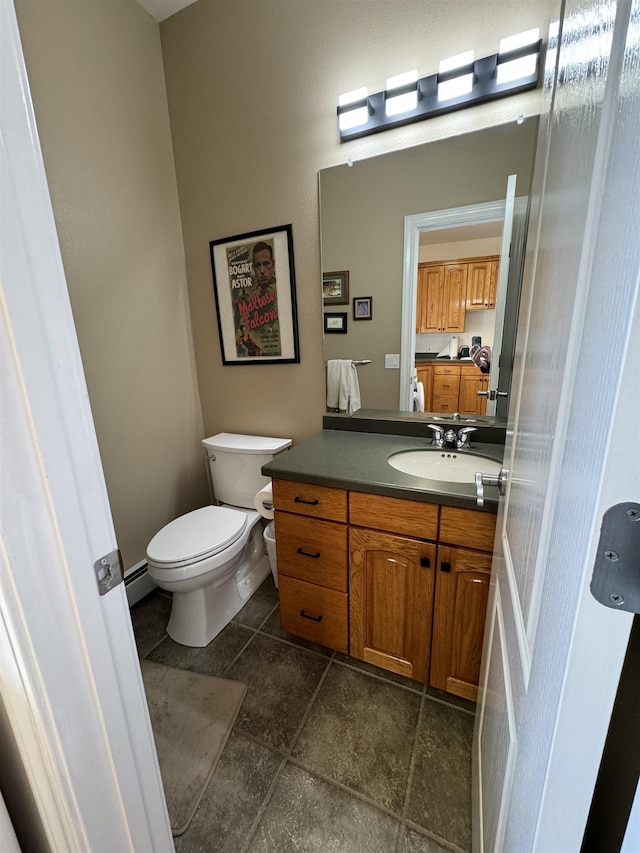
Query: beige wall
x=95, y=70
x=253, y=88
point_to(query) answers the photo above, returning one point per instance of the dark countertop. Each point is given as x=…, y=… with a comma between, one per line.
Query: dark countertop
x=431, y=357
x=358, y=461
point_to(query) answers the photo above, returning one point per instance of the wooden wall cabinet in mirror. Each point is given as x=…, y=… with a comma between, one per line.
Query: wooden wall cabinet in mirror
x=442, y=297
x=482, y=283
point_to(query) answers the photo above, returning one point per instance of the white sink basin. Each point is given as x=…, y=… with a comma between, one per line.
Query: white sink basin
x=447, y=466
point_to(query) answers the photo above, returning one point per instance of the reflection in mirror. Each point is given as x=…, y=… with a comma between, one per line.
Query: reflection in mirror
x=362, y=214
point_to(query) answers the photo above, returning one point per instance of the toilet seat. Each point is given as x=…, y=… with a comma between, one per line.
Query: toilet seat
x=196, y=536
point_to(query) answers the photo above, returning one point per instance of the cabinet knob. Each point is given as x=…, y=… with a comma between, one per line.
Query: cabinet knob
x=445, y=566
x=425, y=562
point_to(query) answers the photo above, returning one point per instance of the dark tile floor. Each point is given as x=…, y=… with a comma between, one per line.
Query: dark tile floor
x=327, y=753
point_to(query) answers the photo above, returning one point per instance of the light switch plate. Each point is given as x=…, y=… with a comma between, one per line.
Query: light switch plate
x=392, y=360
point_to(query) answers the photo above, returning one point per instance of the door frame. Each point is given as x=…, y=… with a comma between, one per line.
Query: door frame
x=435, y=220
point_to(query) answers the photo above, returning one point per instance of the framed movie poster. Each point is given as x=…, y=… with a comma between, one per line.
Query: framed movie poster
x=255, y=291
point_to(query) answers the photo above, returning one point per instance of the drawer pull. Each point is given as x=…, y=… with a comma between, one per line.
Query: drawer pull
x=425, y=562
x=445, y=567
x=298, y=500
x=313, y=618
x=307, y=554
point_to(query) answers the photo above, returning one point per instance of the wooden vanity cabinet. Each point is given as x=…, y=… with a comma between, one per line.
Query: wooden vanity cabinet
x=463, y=571
x=311, y=542
x=391, y=580
x=397, y=583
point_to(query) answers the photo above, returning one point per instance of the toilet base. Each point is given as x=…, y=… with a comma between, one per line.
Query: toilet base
x=199, y=615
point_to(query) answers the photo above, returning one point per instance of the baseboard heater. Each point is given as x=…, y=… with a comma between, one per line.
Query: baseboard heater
x=138, y=582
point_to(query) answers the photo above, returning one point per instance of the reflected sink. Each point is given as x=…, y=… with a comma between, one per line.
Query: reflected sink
x=447, y=466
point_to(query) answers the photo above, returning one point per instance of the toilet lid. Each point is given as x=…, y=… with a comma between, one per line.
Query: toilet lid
x=197, y=535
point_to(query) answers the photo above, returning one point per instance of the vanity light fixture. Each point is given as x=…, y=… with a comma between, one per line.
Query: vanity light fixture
x=460, y=82
x=401, y=94
x=353, y=109
x=455, y=76
x=515, y=58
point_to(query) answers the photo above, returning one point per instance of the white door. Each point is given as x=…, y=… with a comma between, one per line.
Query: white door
x=553, y=655
x=501, y=304
x=70, y=683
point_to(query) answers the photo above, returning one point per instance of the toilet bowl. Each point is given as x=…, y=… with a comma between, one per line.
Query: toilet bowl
x=213, y=558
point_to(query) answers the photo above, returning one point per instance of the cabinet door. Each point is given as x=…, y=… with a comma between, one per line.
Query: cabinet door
x=462, y=589
x=493, y=284
x=470, y=384
x=430, y=295
x=455, y=297
x=479, y=285
x=391, y=601
x=482, y=281
x=482, y=401
x=425, y=375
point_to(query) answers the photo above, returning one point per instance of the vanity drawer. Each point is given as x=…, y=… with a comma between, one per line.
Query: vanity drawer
x=314, y=612
x=305, y=499
x=396, y=515
x=467, y=527
x=444, y=404
x=312, y=550
x=446, y=370
x=447, y=385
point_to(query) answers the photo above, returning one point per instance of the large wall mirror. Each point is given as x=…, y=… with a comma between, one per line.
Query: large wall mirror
x=362, y=214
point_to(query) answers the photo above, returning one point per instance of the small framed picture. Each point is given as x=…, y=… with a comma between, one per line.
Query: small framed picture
x=362, y=307
x=335, y=288
x=336, y=323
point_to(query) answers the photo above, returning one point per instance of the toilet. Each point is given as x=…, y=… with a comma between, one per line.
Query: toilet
x=213, y=559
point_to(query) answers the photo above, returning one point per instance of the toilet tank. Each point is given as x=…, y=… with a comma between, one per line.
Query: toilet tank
x=235, y=462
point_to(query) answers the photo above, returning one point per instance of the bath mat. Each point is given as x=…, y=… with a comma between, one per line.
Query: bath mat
x=191, y=717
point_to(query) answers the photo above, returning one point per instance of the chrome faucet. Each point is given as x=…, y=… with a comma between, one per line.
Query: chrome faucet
x=442, y=438
x=450, y=438
x=438, y=434
x=462, y=439
x=455, y=416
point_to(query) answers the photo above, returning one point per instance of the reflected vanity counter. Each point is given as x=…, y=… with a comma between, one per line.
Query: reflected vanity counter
x=375, y=563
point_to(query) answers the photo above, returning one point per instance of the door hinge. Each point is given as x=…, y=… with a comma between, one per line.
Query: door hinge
x=616, y=573
x=108, y=571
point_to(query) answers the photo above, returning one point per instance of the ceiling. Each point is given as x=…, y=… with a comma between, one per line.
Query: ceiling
x=161, y=9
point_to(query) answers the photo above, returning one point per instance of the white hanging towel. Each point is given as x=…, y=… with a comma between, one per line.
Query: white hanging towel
x=353, y=403
x=333, y=383
x=343, y=389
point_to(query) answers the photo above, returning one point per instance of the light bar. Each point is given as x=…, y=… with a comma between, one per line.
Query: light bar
x=361, y=114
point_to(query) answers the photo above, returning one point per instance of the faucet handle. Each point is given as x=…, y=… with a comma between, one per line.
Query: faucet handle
x=438, y=434
x=462, y=439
